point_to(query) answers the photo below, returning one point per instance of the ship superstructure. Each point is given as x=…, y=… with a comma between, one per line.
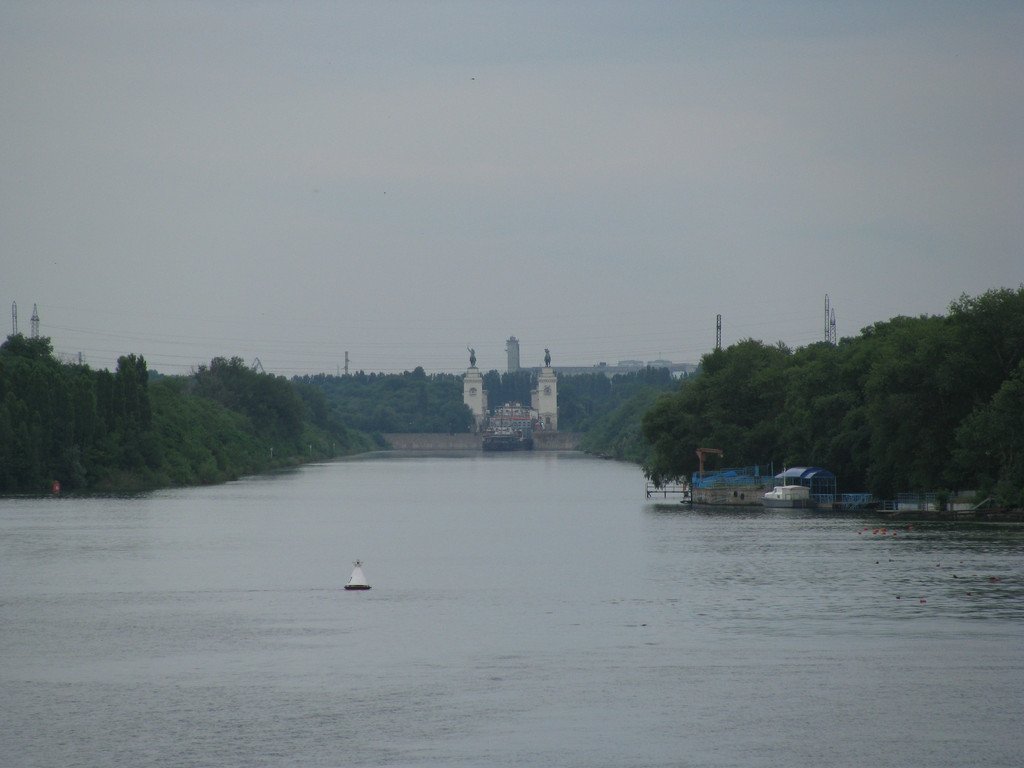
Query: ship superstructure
x=510, y=428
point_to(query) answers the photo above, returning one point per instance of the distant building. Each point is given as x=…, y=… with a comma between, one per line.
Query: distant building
x=623, y=367
x=512, y=348
x=544, y=399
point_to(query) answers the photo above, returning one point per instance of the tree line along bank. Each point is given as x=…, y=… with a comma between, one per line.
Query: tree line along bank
x=910, y=404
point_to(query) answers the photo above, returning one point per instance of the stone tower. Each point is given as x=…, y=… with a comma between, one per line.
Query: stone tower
x=473, y=393
x=545, y=396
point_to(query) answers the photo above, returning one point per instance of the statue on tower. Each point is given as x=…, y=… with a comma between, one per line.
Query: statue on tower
x=547, y=357
x=472, y=357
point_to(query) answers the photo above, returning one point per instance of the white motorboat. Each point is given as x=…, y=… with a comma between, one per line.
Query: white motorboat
x=788, y=497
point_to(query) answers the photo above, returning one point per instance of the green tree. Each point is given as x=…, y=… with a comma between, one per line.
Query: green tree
x=990, y=442
x=99, y=430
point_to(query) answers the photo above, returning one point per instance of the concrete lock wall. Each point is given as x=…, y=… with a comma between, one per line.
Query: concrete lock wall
x=556, y=441
x=542, y=441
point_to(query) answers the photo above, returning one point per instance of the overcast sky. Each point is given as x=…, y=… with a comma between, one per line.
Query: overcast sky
x=293, y=180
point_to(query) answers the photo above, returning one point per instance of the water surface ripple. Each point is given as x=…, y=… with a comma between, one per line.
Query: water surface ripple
x=526, y=610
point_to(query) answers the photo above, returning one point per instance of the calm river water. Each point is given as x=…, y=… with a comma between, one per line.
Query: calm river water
x=526, y=610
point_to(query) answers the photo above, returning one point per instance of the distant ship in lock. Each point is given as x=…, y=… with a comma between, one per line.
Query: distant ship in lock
x=510, y=428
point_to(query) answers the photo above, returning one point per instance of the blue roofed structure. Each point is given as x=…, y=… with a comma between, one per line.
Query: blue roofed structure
x=756, y=475
x=821, y=482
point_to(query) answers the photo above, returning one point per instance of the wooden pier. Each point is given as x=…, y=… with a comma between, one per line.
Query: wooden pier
x=676, y=491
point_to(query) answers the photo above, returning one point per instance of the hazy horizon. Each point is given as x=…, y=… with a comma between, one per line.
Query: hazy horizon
x=402, y=181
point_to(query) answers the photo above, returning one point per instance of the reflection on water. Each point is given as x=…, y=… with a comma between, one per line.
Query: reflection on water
x=527, y=610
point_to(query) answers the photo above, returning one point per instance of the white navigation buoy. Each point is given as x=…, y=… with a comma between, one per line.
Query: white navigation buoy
x=358, y=579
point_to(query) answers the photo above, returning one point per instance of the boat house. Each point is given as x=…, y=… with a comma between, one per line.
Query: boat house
x=821, y=482
x=737, y=486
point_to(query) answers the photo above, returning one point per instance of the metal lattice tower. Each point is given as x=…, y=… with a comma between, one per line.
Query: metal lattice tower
x=718, y=332
x=34, y=322
x=14, y=318
x=830, y=323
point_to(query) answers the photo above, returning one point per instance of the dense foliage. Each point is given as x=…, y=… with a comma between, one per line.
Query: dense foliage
x=586, y=401
x=511, y=387
x=97, y=430
x=408, y=402
x=912, y=404
x=618, y=432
